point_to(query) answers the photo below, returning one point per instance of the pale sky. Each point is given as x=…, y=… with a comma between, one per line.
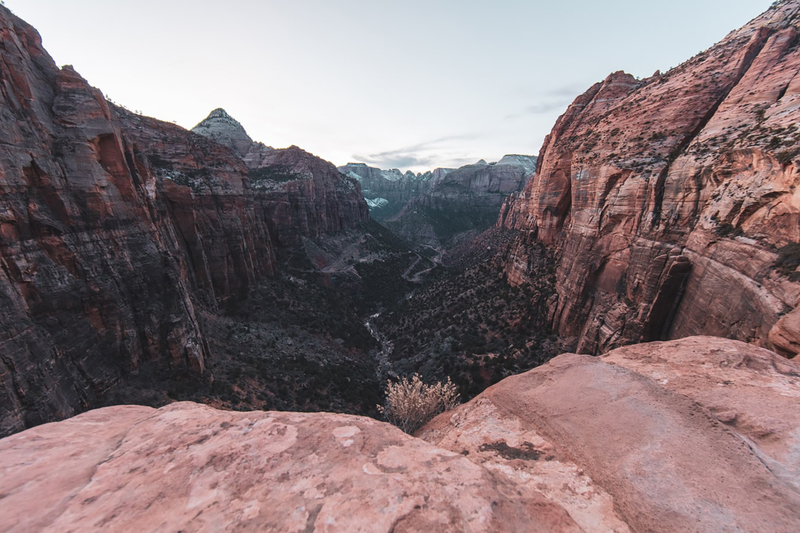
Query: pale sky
x=413, y=84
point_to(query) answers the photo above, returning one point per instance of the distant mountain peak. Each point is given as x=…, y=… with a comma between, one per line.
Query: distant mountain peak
x=226, y=130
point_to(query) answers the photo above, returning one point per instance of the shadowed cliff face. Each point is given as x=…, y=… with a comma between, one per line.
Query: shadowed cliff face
x=115, y=229
x=89, y=285
x=671, y=199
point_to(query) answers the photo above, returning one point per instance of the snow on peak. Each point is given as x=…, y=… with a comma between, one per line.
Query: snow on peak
x=376, y=203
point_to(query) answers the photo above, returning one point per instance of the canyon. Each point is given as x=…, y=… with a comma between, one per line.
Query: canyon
x=443, y=207
x=196, y=328
x=128, y=245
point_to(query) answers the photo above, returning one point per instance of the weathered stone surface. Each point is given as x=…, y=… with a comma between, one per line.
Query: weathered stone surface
x=667, y=197
x=191, y=467
x=785, y=334
x=699, y=434
x=747, y=388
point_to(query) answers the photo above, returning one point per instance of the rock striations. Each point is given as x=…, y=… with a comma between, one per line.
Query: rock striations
x=115, y=227
x=659, y=437
x=89, y=284
x=671, y=199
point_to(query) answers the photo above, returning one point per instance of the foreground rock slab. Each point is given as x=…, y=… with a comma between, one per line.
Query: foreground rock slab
x=193, y=468
x=699, y=434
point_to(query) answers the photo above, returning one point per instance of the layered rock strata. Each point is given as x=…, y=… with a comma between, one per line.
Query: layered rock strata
x=115, y=227
x=89, y=284
x=303, y=195
x=671, y=199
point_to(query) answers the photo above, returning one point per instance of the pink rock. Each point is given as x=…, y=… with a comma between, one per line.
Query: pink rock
x=699, y=434
x=191, y=467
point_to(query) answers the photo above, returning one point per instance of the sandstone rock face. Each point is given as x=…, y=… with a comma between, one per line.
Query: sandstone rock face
x=308, y=198
x=209, y=206
x=89, y=284
x=114, y=228
x=668, y=197
x=699, y=434
x=744, y=387
x=191, y=467
x=466, y=200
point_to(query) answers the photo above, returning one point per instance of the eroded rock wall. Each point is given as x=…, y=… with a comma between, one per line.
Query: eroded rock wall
x=89, y=287
x=670, y=199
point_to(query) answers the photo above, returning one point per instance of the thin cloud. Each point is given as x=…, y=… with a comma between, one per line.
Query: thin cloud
x=571, y=91
x=540, y=109
x=553, y=99
x=418, y=155
x=398, y=160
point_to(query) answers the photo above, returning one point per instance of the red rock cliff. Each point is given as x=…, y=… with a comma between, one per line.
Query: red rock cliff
x=114, y=227
x=89, y=286
x=671, y=199
x=300, y=194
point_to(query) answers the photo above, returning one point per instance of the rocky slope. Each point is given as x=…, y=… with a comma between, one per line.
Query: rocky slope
x=662, y=437
x=672, y=201
x=466, y=322
x=462, y=203
x=124, y=240
x=305, y=195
